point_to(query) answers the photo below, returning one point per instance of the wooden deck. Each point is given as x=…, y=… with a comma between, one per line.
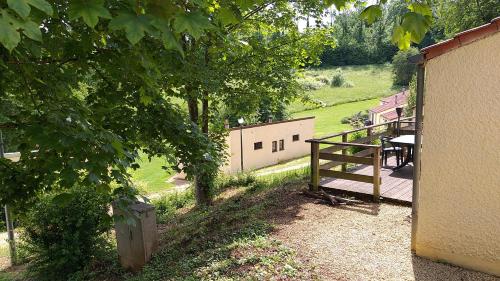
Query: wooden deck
x=396, y=185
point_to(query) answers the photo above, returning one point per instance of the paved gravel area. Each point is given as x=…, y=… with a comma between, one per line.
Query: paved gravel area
x=365, y=242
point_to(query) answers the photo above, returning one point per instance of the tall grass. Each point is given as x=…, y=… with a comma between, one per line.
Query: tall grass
x=366, y=82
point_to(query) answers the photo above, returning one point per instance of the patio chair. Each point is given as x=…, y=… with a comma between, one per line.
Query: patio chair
x=388, y=148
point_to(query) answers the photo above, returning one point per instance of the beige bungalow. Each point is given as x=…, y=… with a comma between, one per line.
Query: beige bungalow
x=257, y=146
x=456, y=208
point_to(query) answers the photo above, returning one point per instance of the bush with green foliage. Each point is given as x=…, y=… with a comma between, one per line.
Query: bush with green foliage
x=338, y=78
x=356, y=120
x=323, y=79
x=412, y=98
x=167, y=205
x=310, y=83
x=240, y=179
x=402, y=68
x=64, y=233
x=354, y=136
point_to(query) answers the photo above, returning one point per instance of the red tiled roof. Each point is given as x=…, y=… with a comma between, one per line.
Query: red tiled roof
x=462, y=39
x=391, y=115
x=393, y=101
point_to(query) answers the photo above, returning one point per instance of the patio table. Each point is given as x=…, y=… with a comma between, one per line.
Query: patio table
x=407, y=141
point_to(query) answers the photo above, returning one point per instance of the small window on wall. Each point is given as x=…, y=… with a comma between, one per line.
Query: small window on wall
x=257, y=145
x=295, y=138
x=282, y=145
x=275, y=146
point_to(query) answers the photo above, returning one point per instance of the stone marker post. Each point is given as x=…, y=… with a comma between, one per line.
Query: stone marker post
x=136, y=243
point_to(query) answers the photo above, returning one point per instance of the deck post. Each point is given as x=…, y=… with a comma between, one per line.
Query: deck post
x=314, y=166
x=376, y=175
x=344, y=152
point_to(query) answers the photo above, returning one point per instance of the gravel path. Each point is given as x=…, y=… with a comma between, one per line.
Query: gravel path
x=365, y=242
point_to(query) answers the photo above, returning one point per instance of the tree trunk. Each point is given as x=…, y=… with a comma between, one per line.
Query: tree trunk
x=202, y=189
x=193, y=109
x=202, y=180
x=204, y=113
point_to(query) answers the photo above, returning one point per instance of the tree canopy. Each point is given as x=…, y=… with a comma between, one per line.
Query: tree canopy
x=89, y=83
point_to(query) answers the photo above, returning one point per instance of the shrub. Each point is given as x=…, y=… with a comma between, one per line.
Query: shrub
x=404, y=70
x=354, y=136
x=357, y=120
x=338, y=79
x=65, y=236
x=412, y=99
x=169, y=203
x=323, y=79
x=310, y=83
x=241, y=179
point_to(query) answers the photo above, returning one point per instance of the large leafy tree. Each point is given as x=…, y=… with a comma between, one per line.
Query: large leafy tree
x=253, y=61
x=90, y=82
x=459, y=15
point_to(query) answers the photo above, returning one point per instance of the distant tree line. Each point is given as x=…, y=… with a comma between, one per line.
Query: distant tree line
x=358, y=43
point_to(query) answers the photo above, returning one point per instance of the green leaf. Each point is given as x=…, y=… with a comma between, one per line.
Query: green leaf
x=339, y=4
x=417, y=25
x=227, y=16
x=118, y=146
x=193, y=23
x=31, y=30
x=89, y=11
x=420, y=8
x=9, y=37
x=103, y=188
x=62, y=199
x=167, y=37
x=245, y=4
x=42, y=5
x=27, y=27
x=144, y=98
x=371, y=13
x=21, y=7
x=135, y=26
x=171, y=43
x=402, y=38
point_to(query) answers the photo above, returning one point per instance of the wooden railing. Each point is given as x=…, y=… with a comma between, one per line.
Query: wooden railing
x=335, y=150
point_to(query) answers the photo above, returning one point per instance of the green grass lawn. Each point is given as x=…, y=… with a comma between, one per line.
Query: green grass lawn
x=370, y=81
x=328, y=118
x=150, y=177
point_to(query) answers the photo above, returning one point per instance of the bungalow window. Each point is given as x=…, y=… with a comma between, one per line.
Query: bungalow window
x=257, y=145
x=282, y=145
x=295, y=137
x=275, y=146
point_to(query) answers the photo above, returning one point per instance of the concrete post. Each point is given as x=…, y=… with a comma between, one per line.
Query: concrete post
x=136, y=243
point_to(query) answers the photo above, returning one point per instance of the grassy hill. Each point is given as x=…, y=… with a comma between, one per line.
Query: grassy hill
x=328, y=118
x=150, y=177
x=368, y=82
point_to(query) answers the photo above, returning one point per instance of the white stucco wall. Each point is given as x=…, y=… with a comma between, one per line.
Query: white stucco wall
x=267, y=133
x=459, y=200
